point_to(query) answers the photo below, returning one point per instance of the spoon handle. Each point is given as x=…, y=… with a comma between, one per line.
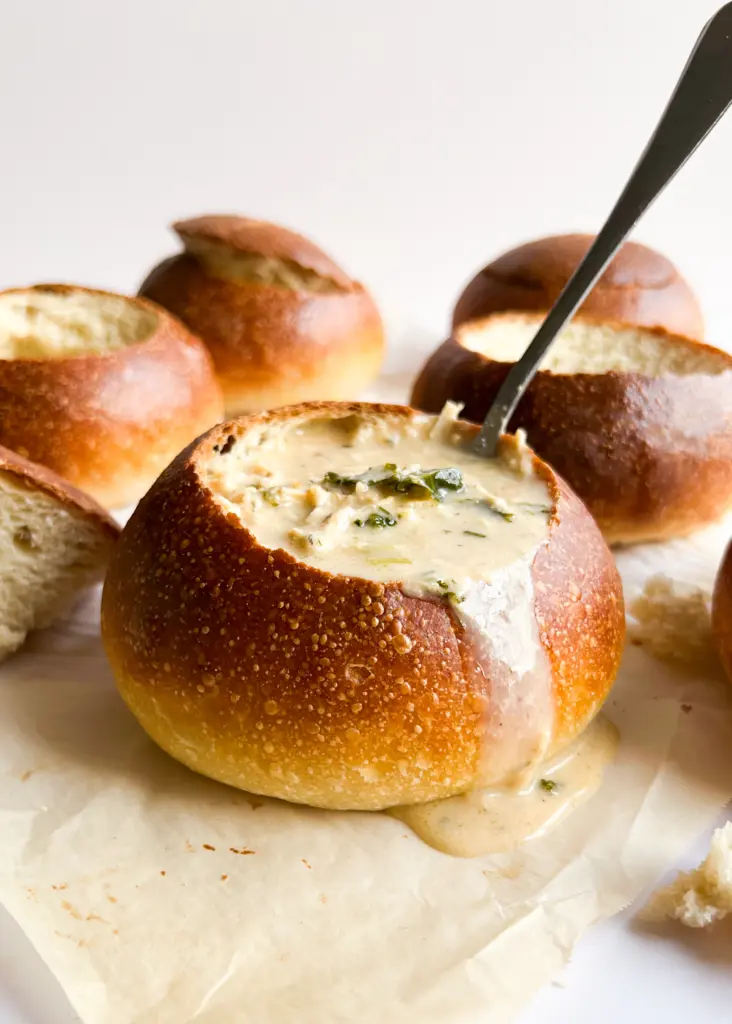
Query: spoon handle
x=701, y=96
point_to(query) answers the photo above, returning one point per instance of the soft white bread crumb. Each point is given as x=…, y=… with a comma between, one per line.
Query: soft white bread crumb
x=48, y=550
x=701, y=897
x=584, y=347
x=50, y=324
x=224, y=261
x=673, y=622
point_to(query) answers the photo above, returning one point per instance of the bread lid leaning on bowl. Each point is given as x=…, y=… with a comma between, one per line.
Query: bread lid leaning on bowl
x=282, y=320
x=640, y=286
x=247, y=654
x=635, y=419
x=101, y=388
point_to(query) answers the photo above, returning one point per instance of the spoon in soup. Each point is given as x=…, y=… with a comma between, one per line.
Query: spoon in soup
x=701, y=96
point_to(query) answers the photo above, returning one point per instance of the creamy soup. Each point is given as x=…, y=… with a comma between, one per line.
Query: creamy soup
x=498, y=820
x=385, y=500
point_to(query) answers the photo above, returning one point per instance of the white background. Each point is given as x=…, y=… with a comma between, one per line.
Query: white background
x=414, y=139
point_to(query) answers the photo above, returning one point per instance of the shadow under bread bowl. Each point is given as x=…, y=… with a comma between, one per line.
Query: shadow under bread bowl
x=341, y=605
x=281, y=319
x=101, y=388
x=640, y=286
x=54, y=540
x=636, y=420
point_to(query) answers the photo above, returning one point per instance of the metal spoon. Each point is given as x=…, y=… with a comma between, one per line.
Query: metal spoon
x=701, y=96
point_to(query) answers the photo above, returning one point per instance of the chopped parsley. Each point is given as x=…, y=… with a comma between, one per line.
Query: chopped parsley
x=474, y=533
x=548, y=785
x=380, y=518
x=417, y=485
x=492, y=506
x=529, y=507
x=269, y=494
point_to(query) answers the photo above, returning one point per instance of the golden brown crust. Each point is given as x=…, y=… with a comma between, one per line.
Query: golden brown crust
x=264, y=239
x=109, y=423
x=273, y=345
x=34, y=477
x=269, y=674
x=651, y=457
x=640, y=286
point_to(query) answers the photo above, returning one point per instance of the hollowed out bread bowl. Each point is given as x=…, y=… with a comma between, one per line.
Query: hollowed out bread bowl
x=101, y=388
x=282, y=321
x=638, y=421
x=273, y=628
x=53, y=541
x=640, y=286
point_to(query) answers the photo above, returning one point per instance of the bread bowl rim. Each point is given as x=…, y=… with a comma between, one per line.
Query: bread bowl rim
x=164, y=318
x=593, y=321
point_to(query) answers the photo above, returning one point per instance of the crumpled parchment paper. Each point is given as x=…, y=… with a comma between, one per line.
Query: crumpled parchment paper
x=159, y=897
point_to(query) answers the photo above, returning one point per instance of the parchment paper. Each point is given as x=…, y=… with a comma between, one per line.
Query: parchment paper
x=158, y=897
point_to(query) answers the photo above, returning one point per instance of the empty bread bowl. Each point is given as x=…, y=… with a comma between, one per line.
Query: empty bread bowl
x=638, y=421
x=101, y=388
x=281, y=319
x=340, y=604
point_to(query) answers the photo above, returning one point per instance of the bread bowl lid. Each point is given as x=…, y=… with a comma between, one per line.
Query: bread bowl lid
x=258, y=237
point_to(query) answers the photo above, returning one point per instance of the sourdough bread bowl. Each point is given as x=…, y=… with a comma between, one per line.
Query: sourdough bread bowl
x=339, y=604
x=640, y=286
x=54, y=540
x=283, y=322
x=637, y=420
x=100, y=388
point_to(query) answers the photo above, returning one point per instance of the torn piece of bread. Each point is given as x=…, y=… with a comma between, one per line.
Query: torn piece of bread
x=699, y=898
x=672, y=621
x=53, y=540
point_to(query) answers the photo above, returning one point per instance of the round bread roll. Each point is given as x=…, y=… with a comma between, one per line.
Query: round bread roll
x=282, y=321
x=636, y=420
x=101, y=388
x=297, y=609
x=640, y=286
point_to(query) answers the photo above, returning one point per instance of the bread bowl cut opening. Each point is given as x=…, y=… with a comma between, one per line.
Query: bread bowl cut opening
x=49, y=551
x=58, y=323
x=385, y=499
x=593, y=347
x=224, y=261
